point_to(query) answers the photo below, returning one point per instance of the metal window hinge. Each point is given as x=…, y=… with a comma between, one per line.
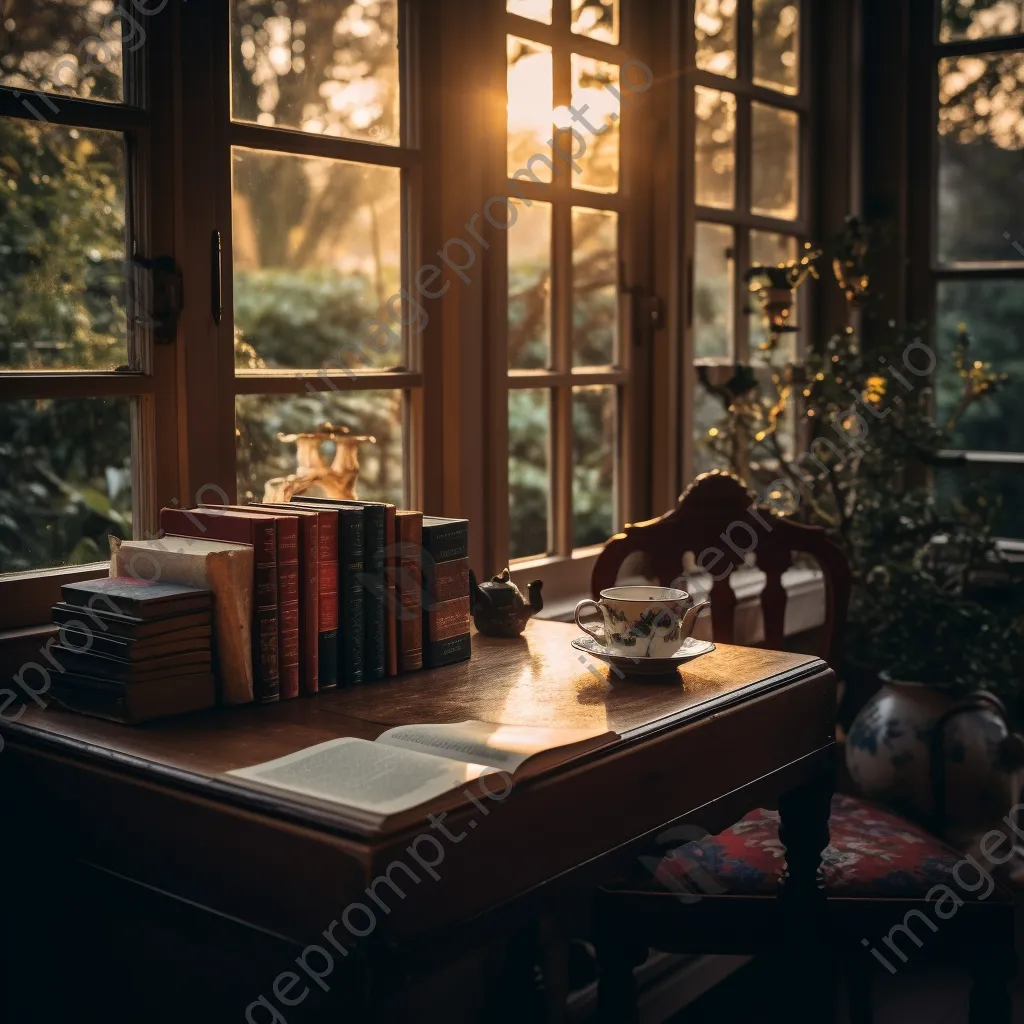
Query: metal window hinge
x=166, y=298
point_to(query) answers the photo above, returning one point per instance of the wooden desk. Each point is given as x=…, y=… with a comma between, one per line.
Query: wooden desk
x=737, y=729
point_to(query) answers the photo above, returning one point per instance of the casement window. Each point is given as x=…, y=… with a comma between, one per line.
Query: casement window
x=968, y=245
x=223, y=224
x=747, y=115
x=281, y=195
x=322, y=143
x=561, y=279
x=85, y=374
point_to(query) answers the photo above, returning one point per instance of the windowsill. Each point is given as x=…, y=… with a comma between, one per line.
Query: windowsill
x=805, y=605
x=28, y=596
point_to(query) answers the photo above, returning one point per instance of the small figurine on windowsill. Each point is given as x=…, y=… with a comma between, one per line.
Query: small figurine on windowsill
x=314, y=475
x=499, y=608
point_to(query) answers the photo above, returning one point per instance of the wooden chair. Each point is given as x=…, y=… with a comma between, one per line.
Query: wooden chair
x=717, y=894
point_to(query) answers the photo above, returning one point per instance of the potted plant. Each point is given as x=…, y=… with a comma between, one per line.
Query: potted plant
x=936, y=618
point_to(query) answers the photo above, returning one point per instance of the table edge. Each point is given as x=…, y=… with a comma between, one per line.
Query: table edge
x=330, y=818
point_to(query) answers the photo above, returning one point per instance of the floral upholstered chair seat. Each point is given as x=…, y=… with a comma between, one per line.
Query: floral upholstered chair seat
x=872, y=852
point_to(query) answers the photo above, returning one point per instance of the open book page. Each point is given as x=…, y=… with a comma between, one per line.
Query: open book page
x=505, y=747
x=370, y=776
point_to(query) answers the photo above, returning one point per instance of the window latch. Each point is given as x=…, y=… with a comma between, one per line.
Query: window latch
x=166, y=297
x=648, y=312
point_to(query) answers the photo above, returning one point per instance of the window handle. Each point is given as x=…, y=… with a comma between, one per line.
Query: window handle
x=217, y=277
x=648, y=312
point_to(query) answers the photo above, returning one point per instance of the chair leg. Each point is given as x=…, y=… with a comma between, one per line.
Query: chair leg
x=859, y=997
x=616, y=986
x=555, y=967
x=993, y=969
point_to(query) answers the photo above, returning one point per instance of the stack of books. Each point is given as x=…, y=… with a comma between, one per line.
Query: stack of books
x=132, y=650
x=345, y=592
x=307, y=596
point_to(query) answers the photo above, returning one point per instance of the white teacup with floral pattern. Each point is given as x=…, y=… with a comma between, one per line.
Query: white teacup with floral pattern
x=641, y=622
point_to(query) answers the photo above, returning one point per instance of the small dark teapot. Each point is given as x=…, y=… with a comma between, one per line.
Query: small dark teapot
x=499, y=608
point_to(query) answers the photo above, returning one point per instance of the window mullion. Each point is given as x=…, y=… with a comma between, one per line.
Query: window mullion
x=745, y=41
x=561, y=540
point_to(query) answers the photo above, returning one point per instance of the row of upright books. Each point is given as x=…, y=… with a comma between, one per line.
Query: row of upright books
x=315, y=593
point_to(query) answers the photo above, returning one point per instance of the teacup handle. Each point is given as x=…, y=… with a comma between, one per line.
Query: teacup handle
x=604, y=637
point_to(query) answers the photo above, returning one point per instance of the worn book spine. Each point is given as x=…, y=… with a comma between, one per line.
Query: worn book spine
x=390, y=599
x=374, y=598
x=267, y=681
x=302, y=581
x=309, y=578
x=409, y=590
x=328, y=605
x=288, y=604
x=351, y=567
x=261, y=533
x=445, y=591
x=445, y=581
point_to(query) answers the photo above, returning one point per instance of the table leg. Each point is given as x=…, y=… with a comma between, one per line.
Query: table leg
x=804, y=832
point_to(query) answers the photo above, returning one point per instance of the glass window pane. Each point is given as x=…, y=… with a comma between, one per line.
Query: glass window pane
x=971, y=19
x=317, y=65
x=317, y=272
x=764, y=463
x=715, y=148
x=66, y=468
x=709, y=419
x=1004, y=485
x=595, y=147
x=714, y=23
x=993, y=313
x=594, y=430
x=713, y=270
x=262, y=456
x=981, y=157
x=595, y=286
x=777, y=44
x=536, y=10
x=67, y=47
x=62, y=248
x=598, y=19
x=530, y=108
x=775, y=166
x=771, y=249
x=529, y=287
x=529, y=484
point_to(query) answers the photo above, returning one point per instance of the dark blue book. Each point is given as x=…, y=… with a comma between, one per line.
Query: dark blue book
x=375, y=543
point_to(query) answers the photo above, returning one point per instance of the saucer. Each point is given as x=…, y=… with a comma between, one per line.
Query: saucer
x=628, y=666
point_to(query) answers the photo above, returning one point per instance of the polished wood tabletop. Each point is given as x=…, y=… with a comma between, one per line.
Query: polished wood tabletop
x=734, y=728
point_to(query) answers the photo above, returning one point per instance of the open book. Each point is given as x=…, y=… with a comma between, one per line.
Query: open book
x=412, y=764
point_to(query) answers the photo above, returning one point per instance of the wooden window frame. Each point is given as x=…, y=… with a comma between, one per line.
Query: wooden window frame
x=144, y=119
x=566, y=568
x=926, y=273
x=212, y=350
x=740, y=217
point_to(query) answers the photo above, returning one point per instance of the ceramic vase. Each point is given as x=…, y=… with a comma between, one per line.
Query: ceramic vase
x=951, y=764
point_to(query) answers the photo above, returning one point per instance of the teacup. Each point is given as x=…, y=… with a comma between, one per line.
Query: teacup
x=642, y=622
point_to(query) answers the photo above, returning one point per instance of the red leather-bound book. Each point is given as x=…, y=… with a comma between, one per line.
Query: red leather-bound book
x=309, y=591
x=292, y=597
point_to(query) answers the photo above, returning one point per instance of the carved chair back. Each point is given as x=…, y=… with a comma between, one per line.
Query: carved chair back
x=721, y=523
